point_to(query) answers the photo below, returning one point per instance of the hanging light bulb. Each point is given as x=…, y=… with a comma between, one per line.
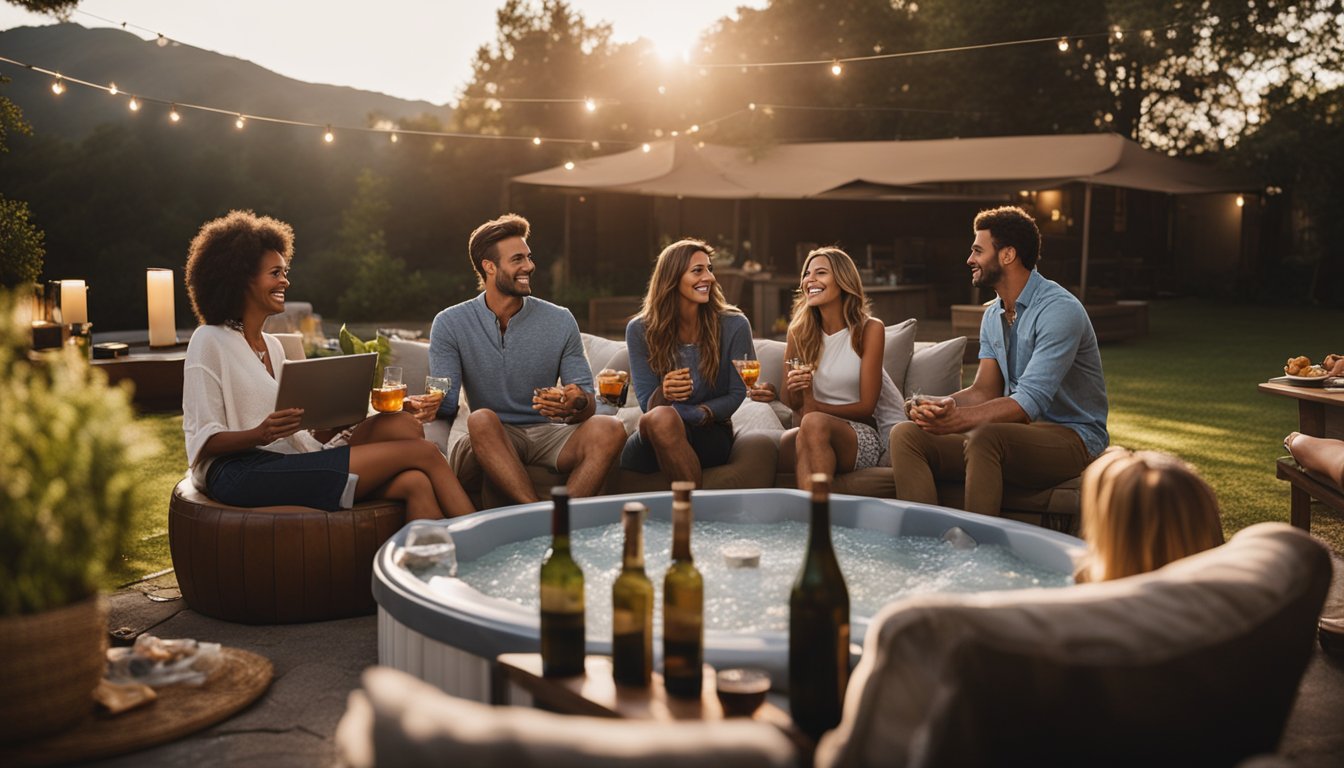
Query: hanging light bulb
x=328, y=136
x=569, y=165
x=394, y=138
x=590, y=105
x=174, y=115
x=162, y=41
x=694, y=129
x=112, y=88
x=240, y=122
x=536, y=141
x=134, y=104
x=58, y=87
x=646, y=147
x=836, y=69
x=1241, y=201
x=752, y=106
x=1063, y=44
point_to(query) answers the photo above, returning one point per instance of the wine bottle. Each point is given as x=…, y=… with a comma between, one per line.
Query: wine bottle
x=632, y=607
x=562, y=646
x=683, y=605
x=818, y=626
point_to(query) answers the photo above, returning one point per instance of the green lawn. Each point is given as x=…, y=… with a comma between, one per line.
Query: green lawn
x=1188, y=389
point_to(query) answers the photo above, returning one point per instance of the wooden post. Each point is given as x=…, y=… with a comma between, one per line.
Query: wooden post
x=1087, y=236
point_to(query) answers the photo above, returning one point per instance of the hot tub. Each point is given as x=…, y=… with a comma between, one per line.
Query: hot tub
x=449, y=635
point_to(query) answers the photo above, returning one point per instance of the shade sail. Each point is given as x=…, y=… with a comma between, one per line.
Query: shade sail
x=933, y=169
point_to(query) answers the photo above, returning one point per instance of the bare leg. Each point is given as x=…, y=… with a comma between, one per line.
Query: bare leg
x=497, y=456
x=788, y=450
x=379, y=462
x=413, y=489
x=589, y=453
x=1318, y=454
x=663, y=429
x=824, y=443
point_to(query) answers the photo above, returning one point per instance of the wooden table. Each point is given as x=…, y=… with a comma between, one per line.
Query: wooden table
x=156, y=374
x=1320, y=413
x=595, y=694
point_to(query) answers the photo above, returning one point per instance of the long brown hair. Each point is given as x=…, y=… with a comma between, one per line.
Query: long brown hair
x=854, y=307
x=1142, y=510
x=660, y=316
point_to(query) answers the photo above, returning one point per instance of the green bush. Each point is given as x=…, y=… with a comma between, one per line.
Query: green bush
x=66, y=443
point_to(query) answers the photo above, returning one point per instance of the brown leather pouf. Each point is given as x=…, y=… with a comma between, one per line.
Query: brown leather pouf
x=276, y=565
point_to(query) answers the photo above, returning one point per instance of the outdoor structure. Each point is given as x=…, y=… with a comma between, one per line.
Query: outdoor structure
x=903, y=208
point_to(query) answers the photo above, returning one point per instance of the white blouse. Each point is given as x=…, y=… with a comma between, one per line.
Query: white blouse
x=835, y=381
x=225, y=388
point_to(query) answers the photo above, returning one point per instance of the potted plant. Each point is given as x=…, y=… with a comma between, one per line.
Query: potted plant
x=66, y=443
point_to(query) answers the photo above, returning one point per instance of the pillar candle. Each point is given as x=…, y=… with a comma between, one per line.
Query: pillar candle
x=162, y=320
x=74, y=302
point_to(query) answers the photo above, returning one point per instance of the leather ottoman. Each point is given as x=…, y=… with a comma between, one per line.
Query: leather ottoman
x=276, y=565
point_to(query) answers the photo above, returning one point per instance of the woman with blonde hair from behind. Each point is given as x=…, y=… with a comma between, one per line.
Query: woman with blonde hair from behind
x=1142, y=510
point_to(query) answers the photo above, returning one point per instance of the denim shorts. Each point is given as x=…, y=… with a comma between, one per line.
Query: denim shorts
x=713, y=445
x=258, y=478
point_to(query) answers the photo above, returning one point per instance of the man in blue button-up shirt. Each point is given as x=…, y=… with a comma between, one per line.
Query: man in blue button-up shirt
x=1036, y=413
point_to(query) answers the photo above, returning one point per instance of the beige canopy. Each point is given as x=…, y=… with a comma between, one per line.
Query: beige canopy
x=940, y=168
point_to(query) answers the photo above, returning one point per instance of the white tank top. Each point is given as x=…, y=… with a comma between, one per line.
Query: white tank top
x=836, y=382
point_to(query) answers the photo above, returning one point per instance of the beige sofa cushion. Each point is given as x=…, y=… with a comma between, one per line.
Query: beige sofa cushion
x=935, y=369
x=897, y=349
x=1196, y=663
x=398, y=720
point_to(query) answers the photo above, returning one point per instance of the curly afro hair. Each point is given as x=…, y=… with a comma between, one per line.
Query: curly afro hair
x=224, y=257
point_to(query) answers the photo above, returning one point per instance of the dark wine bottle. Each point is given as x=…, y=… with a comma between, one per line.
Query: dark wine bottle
x=632, y=607
x=562, y=646
x=683, y=605
x=818, y=626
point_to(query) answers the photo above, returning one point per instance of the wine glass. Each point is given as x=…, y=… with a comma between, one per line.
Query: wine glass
x=749, y=368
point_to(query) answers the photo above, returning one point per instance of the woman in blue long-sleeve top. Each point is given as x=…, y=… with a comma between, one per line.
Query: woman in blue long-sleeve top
x=682, y=344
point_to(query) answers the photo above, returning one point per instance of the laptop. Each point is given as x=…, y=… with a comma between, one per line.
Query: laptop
x=332, y=391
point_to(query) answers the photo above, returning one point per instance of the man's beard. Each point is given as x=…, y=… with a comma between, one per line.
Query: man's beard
x=509, y=286
x=989, y=276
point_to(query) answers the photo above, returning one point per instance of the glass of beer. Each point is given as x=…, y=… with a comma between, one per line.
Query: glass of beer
x=741, y=690
x=749, y=368
x=389, y=397
x=554, y=396
x=613, y=386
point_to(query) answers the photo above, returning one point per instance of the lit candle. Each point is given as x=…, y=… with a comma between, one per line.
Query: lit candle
x=162, y=320
x=74, y=302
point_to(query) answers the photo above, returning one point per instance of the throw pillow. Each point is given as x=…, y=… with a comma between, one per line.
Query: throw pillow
x=896, y=351
x=413, y=357
x=771, y=355
x=935, y=369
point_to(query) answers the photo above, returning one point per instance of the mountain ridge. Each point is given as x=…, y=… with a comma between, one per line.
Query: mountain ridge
x=174, y=73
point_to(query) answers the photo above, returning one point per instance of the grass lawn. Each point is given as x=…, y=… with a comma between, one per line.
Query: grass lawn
x=1187, y=389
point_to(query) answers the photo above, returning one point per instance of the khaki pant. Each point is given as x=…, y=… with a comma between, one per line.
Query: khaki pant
x=1028, y=455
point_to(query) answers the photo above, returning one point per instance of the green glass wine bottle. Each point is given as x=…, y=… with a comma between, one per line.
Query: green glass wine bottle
x=632, y=606
x=818, y=626
x=562, y=645
x=683, y=605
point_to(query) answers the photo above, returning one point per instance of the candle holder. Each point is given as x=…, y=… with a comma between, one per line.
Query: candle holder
x=81, y=338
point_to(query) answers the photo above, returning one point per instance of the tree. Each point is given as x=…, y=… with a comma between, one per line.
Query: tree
x=21, y=250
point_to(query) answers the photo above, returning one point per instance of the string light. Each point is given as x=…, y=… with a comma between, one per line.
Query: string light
x=328, y=137
x=134, y=104
x=836, y=69
x=693, y=129
x=240, y=122
x=645, y=146
x=162, y=41
x=569, y=165
x=58, y=87
x=536, y=141
x=173, y=114
x=590, y=105
x=393, y=138
x=1063, y=44
x=1241, y=201
x=112, y=89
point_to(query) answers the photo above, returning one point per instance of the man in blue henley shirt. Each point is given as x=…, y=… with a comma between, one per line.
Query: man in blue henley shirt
x=1036, y=412
x=501, y=346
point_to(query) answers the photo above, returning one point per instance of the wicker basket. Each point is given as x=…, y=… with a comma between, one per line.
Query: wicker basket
x=50, y=662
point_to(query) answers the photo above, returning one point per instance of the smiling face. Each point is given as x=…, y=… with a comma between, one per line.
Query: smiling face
x=511, y=272
x=818, y=282
x=697, y=282
x=986, y=269
x=266, y=290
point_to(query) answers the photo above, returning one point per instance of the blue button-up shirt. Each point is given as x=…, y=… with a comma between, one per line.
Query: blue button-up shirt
x=1049, y=360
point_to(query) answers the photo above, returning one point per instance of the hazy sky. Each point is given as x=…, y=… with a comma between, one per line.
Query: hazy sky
x=414, y=49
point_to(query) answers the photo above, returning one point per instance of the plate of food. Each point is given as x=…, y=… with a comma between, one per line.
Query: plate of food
x=1302, y=372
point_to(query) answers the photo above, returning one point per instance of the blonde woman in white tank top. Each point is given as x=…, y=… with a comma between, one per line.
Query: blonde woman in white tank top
x=843, y=400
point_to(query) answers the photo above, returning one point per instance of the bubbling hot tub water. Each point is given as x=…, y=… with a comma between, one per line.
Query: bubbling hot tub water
x=878, y=568
x=448, y=630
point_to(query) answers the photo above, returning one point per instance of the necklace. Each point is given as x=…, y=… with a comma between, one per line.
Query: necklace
x=237, y=325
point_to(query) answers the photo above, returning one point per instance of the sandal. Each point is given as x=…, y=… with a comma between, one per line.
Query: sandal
x=1288, y=444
